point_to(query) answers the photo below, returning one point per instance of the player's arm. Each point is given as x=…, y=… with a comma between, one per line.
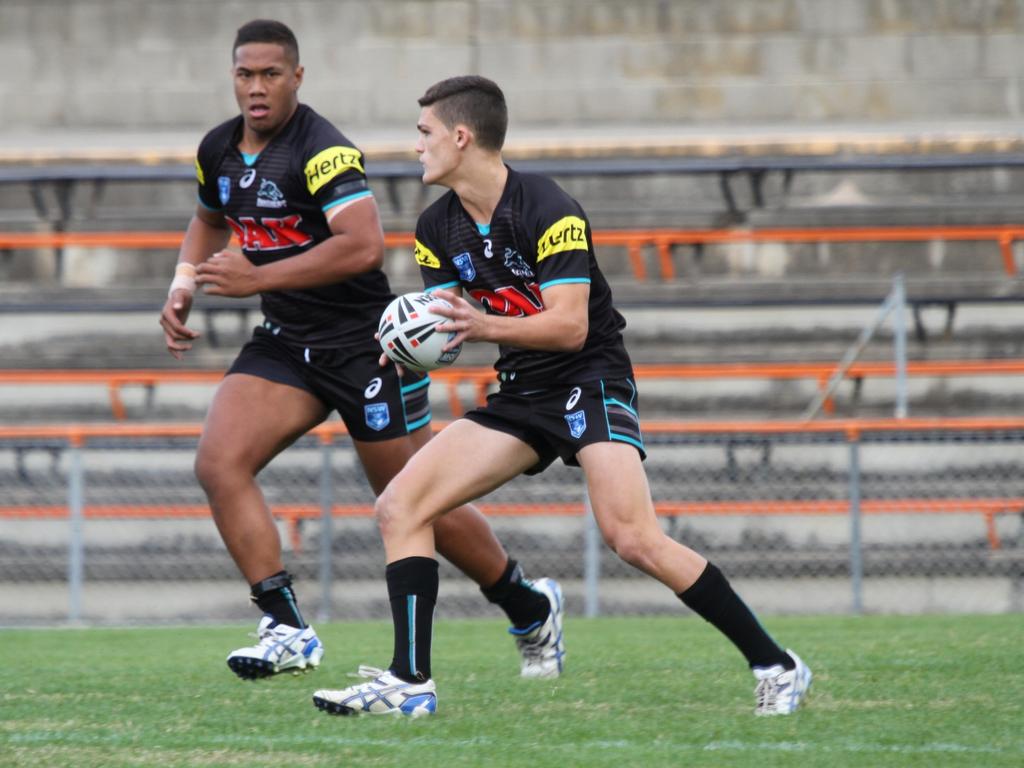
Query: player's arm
x=207, y=233
x=561, y=327
x=356, y=246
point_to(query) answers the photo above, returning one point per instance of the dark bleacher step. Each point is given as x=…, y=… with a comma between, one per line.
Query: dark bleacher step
x=44, y=298
x=840, y=290
x=686, y=290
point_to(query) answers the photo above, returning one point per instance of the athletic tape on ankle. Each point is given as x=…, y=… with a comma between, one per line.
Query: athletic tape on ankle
x=278, y=580
x=184, y=278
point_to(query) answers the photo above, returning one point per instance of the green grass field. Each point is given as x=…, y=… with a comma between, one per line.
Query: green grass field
x=914, y=691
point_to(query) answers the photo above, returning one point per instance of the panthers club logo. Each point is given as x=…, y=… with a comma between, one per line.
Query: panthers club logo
x=515, y=264
x=269, y=195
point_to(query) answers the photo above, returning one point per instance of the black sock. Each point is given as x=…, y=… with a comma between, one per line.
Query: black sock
x=523, y=606
x=412, y=589
x=274, y=596
x=713, y=598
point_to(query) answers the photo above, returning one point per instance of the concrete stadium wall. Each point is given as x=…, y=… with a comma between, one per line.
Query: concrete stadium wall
x=163, y=64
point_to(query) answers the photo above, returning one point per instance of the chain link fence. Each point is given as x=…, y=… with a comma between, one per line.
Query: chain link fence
x=111, y=527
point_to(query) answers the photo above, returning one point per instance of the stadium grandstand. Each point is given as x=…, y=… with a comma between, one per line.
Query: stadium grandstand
x=761, y=179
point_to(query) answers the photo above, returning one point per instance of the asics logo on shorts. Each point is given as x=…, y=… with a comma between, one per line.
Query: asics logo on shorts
x=574, y=397
x=373, y=388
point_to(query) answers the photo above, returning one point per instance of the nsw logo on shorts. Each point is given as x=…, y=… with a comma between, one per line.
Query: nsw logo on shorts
x=377, y=416
x=577, y=423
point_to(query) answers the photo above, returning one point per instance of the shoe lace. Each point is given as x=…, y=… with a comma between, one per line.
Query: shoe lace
x=261, y=634
x=368, y=672
x=268, y=636
x=766, y=693
x=533, y=648
x=365, y=670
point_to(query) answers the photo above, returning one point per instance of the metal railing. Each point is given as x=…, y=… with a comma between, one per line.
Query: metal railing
x=707, y=491
x=481, y=380
x=662, y=240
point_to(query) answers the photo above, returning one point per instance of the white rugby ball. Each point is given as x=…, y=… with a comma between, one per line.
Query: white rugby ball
x=408, y=334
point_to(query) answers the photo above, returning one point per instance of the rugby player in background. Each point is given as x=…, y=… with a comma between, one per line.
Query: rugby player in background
x=293, y=191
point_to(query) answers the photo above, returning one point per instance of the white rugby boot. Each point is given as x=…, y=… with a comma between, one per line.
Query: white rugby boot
x=779, y=691
x=541, y=645
x=280, y=648
x=384, y=694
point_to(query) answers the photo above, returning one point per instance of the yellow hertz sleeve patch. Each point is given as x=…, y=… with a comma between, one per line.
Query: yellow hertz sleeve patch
x=425, y=257
x=200, y=176
x=569, y=233
x=325, y=165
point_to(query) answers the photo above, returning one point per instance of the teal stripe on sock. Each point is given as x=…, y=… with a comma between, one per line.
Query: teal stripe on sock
x=290, y=597
x=411, y=606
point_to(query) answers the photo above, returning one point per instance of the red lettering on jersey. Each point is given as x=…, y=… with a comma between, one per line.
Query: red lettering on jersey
x=287, y=230
x=509, y=300
x=251, y=235
x=269, y=234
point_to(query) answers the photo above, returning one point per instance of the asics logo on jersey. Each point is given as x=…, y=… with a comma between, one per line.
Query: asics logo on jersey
x=269, y=234
x=247, y=178
x=569, y=233
x=270, y=195
x=488, y=252
x=331, y=162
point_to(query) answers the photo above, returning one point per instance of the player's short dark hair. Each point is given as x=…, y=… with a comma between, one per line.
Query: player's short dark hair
x=473, y=100
x=268, y=31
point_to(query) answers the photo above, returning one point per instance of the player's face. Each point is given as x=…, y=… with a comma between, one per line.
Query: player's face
x=266, y=86
x=437, y=148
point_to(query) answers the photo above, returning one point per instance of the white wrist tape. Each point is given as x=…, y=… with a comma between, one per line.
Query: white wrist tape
x=184, y=278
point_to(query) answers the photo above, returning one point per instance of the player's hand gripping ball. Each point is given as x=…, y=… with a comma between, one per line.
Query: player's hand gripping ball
x=408, y=334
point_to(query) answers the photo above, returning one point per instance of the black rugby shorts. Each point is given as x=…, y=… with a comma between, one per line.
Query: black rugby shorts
x=557, y=422
x=374, y=402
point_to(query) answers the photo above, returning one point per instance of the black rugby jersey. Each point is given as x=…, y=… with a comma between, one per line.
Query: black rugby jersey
x=276, y=203
x=538, y=237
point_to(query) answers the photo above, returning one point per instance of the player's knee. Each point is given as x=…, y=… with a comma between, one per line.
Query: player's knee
x=389, y=512
x=213, y=469
x=630, y=544
x=396, y=512
x=205, y=470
